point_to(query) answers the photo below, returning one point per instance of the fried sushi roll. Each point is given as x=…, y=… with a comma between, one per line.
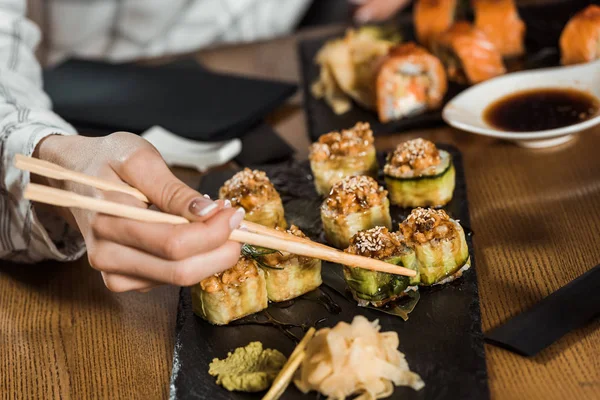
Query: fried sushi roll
x=580, y=39
x=354, y=204
x=432, y=17
x=419, y=174
x=500, y=21
x=439, y=243
x=410, y=81
x=232, y=294
x=287, y=275
x=254, y=192
x=337, y=155
x=468, y=54
x=374, y=287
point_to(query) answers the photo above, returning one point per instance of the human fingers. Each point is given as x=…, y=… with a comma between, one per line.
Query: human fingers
x=169, y=242
x=379, y=10
x=110, y=257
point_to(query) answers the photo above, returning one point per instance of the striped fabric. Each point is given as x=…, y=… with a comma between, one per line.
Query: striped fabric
x=115, y=30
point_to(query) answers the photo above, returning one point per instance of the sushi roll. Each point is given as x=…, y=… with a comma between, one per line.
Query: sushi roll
x=468, y=54
x=337, y=155
x=500, y=21
x=410, y=81
x=287, y=275
x=419, y=174
x=354, y=204
x=432, y=17
x=373, y=287
x=439, y=243
x=253, y=191
x=232, y=294
x=580, y=39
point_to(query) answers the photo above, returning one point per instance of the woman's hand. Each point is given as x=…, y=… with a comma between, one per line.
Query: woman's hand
x=136, y=255
x=377, y=10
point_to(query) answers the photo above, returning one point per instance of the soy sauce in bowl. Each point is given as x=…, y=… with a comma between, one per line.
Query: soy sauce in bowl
x=541, y=109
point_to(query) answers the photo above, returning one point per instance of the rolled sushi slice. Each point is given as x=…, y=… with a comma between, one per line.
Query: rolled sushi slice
x=287, y=275
x=378, y=288
x=253, y=191
x=418, y=174
x=232, y=294
x=337, y=155
x=439, y=243
x=354, y=204
x=410, y=81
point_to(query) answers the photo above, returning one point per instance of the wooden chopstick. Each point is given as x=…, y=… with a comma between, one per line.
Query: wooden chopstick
x=286, y=374
x=63, y=198
x=53, y=171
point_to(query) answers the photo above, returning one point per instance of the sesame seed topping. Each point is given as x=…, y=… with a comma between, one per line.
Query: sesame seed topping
x=414, y=154
x=355, y=193
x=248, y=188
x=377, y=242
x=348, y=142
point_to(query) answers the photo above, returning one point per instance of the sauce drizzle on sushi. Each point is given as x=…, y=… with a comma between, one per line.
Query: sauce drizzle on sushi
x=541, y=109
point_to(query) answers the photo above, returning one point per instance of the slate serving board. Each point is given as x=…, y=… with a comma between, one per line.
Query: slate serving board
x=544, y=25
x=442, y=339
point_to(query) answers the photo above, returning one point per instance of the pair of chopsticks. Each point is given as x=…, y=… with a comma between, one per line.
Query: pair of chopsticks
x=286, y=374
x=256, y=235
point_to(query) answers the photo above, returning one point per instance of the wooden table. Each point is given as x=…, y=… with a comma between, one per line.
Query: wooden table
x=536, y=215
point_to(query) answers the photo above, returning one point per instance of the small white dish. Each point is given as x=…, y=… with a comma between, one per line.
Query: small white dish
x=465, y=111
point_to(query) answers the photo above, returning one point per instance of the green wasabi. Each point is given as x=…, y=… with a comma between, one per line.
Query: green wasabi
x=248, y=369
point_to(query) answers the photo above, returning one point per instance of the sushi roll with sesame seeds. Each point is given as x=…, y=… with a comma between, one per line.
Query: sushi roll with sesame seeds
x=337, y=155
x=439, y=243
x=354, y=204
x=418, y=174
x=287, y=275
x=232, y=294
x=373, y=287
x=253, y=191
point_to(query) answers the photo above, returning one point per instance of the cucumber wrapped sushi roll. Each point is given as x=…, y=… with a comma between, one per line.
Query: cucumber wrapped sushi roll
x=439, y=243
x=287, y=275
x=253, y=191
x=341, y=154
x=418, y=174
x=232, y=294
x=354, y=204
x=378, y=288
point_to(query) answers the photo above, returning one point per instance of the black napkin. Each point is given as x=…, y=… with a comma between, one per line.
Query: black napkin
x=262, y=145
x=570, y=307
x=193, y=102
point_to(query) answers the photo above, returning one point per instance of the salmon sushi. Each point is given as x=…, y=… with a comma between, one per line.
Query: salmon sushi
x=432, y=17
x=580, y=40
x=500, y=21
x=468, y=54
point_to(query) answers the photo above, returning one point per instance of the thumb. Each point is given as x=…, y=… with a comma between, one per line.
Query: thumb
x=147, y=171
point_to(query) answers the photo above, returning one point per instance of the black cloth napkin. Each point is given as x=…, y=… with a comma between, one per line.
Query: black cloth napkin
x=190, y=101
x=262, y=145
x=570, y=307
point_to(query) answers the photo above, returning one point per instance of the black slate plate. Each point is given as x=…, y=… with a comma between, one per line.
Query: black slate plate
x=442, y=339
x=544, y=25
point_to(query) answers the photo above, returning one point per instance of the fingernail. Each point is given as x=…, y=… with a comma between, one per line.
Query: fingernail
x=227, y=204
x=237, y=218
x=363, y=15
x=206, y=196
x=202, y=207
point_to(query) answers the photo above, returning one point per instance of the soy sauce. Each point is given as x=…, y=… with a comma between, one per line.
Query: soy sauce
x=541, y=109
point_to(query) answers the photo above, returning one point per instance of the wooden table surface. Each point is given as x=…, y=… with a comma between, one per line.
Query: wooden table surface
x=536, y=215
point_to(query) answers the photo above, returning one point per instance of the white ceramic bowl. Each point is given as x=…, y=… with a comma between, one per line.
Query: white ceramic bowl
x=465, y=111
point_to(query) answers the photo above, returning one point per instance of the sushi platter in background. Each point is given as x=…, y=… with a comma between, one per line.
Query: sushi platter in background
x=368, y=204
x=527, y=38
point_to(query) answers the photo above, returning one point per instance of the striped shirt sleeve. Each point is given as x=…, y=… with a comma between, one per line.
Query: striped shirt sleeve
x=26, y=118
